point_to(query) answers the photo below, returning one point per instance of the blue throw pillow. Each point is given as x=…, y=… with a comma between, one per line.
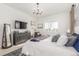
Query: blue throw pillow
x=76, y=44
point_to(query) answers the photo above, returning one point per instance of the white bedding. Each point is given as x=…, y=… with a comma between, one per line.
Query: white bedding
x=47, y=48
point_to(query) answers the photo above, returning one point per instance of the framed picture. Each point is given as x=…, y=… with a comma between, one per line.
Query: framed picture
x=40, y=26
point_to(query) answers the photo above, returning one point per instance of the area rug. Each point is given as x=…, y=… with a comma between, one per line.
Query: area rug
x=14, y=53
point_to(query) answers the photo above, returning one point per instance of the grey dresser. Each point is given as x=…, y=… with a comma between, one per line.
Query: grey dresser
x=20, y=37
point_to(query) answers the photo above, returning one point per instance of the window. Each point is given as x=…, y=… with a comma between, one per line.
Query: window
x=51, y=25
x=47, y=25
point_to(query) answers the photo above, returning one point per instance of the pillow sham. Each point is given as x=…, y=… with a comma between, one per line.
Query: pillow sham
x=55, y=38
x=71, y=41
x=76, y=44
x=62, y=40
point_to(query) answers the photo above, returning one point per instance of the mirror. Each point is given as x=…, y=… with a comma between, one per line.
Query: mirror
x=6, y=40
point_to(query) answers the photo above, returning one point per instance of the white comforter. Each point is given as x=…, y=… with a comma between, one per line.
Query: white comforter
x=47, y=48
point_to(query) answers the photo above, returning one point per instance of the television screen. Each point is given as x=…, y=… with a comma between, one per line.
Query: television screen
x=20, y=25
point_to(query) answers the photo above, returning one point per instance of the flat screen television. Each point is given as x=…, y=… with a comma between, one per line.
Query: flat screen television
x=20, y=25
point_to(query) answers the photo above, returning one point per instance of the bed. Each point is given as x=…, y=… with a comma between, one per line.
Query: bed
x=47, y=48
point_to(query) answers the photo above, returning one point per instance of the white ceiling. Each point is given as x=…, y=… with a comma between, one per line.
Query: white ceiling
x=48, y=8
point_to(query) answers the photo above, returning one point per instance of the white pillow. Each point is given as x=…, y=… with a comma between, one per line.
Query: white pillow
x=62, y=40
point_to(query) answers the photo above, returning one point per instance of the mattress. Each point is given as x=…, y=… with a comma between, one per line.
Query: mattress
x=47, y=48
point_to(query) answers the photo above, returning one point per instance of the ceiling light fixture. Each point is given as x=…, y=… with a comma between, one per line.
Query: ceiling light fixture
x=37, y=10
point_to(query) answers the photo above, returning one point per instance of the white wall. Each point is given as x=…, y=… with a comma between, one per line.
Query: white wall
x=9, y=15
x=62, y=18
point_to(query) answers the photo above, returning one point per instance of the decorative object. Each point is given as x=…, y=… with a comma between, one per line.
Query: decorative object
x=32, y=23
x=37, y=34
x=6, y=40
x=37, y=10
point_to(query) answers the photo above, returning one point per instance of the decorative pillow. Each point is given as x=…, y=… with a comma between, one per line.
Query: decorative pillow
x=55, y=38
x=34, y=40
x=71, y=41
x=62, y=40
x=76, y=44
